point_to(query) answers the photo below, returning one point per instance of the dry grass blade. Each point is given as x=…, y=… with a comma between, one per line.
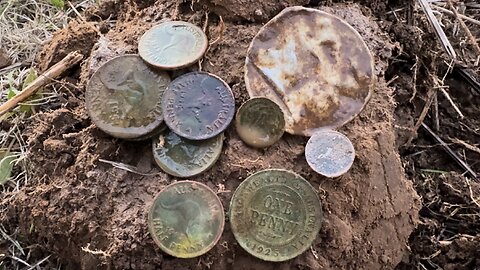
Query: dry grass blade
x=438, y=29
x=451, y=13
x=472, y=39
x=126, y=167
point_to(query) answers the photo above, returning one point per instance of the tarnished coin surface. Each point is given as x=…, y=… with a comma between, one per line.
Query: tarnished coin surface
x=330, y=153
x=275, y=215
x=260, y=122
x=186, y=219
x=314, y=65
x=181, y=157
x=172, y=45
x=124, y=97
x=198, y=105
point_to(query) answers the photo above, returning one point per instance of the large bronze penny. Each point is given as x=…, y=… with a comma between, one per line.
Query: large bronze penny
x=172, y=45
x=181, y=157
x=275, y=215
x=198, y=105
x=124, y=96
x=314, y=65
x=186, y=219
x=260, y=122
x=329, y=153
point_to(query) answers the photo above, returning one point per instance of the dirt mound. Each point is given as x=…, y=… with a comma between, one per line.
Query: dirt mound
x=93, y=216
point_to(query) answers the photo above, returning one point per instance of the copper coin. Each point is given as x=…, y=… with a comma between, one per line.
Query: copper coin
x=314, y=65
x=198, y=106
x=330, y=153
x=172, y=45
x=181, y=157
x=124, y=97
x=186, y=219
x=275, y=215
x=260, y=122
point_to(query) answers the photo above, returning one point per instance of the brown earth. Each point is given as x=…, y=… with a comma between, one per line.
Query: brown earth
x=93, y=216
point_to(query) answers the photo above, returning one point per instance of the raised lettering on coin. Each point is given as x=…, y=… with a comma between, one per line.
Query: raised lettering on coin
x=186, y=219
x=275, y=215
x=124, y=96
x=198, y=106
x=184, y=158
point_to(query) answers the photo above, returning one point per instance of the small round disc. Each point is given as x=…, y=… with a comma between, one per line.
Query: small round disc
x=124, y=97
x=172, y=45
x=198, y=106
x=275, y=215
x=186, y=219
x=260, y=122
x=181, y=157
x=314, y=65
x=330, y=153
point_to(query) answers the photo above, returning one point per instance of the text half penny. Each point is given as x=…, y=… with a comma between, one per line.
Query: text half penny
x=260, y=122
x=181, y=157
x=172, y=45
x=198, y=106
x=275, y=215
x=124, y=97
x=186, y=219
x=314, y=65
x=329, y=153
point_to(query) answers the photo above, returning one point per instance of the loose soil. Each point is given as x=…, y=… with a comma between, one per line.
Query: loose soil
x=93, y=216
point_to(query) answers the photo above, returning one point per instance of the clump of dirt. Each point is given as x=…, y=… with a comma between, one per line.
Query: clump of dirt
x=94, y=216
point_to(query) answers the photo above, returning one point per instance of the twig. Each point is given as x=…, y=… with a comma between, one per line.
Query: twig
x=70, y=60
x=423, y=114
x=450, y=151
x=415, y=71
x=467, y=145
x=438, y=29
x=435, y=112
x=452, y=103
x=465, y=27
x=471, y=192
x=466, y=18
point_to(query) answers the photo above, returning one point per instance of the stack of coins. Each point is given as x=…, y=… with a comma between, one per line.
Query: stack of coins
x=300, y=80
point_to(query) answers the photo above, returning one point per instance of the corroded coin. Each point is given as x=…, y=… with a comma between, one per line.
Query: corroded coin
x=314, y=65
x=172, y=45
x=260, y=122
x=329, y=153
x=124, y=96
x=275, y=215
x=186, y=219
x=184, y=158
x=198, y=105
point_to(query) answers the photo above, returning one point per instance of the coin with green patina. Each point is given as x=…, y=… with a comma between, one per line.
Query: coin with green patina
x=186, y=219
x=124, y=97
x=275, y=215
x=330, y=153
x=172, y=45
x=198, y=106
x=260, y=122
x=181, y=157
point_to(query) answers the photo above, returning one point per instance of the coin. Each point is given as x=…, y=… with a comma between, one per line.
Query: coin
x=172, y=45
x=184, y=158
x=330, y=153
x=123, y=97
x=260, y=122
x=320, y=78
x=186, y=219
x=198, y=105
x=275, y=215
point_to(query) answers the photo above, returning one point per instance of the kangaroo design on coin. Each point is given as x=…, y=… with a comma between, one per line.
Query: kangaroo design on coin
x=329, y=153
x=184, y=158
x=124, y=96
x=198, y=106
x=186, y=219
x=275, y=215
x=172, y=45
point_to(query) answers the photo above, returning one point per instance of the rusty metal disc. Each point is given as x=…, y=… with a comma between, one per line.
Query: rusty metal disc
x=124, y=97
x=275, y=215
x=186, y=219
x=330, y=153
x=173, y=45
x=314, y=65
